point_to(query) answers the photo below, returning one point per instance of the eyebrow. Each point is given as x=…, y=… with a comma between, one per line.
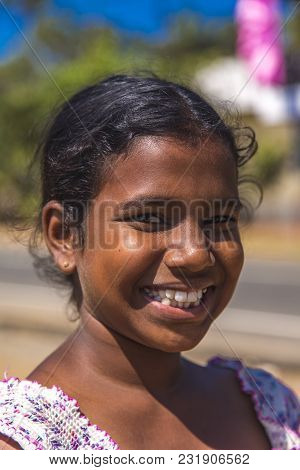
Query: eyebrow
x=140, y=202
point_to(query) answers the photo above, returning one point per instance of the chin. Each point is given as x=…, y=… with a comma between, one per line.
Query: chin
x=179, y=346
x=176, y=342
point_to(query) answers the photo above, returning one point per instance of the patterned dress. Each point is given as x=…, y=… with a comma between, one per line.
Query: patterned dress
x=41, y=418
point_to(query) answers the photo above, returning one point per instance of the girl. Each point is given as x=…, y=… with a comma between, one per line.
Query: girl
x=140, y=210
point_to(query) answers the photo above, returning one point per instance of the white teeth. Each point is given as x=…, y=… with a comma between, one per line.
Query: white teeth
x=180, y=296
x=192, y=297
x=200, y=293
x=177, y=298
x=170, y=294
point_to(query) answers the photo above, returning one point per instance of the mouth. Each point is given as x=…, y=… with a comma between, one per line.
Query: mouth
x=179, y=304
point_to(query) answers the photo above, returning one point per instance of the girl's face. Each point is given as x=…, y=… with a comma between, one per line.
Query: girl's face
x=165, y=226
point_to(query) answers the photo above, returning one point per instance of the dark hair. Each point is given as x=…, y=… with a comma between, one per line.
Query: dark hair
x=98, y=123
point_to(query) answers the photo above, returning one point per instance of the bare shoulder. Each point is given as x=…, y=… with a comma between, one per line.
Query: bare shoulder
x=229, y=412
x=8, y=444
x=240, y=409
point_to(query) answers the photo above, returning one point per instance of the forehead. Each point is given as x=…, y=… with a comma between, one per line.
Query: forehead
x=167, y=167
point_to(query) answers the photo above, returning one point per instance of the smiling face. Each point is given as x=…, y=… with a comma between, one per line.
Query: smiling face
x=163, y=252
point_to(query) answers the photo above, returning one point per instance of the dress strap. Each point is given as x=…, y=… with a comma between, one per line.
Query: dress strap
x=276, y=405
x=40, y=418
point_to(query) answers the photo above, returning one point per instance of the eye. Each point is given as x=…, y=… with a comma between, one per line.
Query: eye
x=145, y=218
x=220, y=219
x=147, y=221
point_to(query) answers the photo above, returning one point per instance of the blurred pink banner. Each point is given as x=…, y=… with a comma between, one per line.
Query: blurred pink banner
x=259, y=41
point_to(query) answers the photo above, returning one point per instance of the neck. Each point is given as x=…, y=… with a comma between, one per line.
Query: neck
x=108, y=356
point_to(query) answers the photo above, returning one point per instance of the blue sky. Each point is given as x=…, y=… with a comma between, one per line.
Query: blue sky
x=146, y=17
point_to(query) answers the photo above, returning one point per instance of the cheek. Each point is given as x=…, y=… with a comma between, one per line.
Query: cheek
x=231, y=256
x=131, y=241
x=116, y=271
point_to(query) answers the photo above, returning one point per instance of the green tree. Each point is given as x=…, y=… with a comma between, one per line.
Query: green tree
x=66, y=58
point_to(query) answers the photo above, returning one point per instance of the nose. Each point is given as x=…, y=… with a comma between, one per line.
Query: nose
x=191, y=251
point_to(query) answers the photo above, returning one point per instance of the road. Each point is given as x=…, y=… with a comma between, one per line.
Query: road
x=263, y=318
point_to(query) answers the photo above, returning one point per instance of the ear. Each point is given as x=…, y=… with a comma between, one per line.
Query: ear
x=59, y=241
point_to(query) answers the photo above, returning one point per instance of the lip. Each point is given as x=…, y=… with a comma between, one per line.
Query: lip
x=198, y=313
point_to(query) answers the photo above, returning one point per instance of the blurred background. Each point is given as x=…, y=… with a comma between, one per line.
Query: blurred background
x=243, y=53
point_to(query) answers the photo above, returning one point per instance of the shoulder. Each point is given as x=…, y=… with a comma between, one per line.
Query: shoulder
x=269, y=394
x=276, y=406
x=231, y=422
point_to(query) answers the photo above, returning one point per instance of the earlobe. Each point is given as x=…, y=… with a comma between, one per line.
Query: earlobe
x=58, y=240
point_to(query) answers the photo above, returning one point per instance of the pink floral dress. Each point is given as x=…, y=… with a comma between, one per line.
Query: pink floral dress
x=41, y=418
